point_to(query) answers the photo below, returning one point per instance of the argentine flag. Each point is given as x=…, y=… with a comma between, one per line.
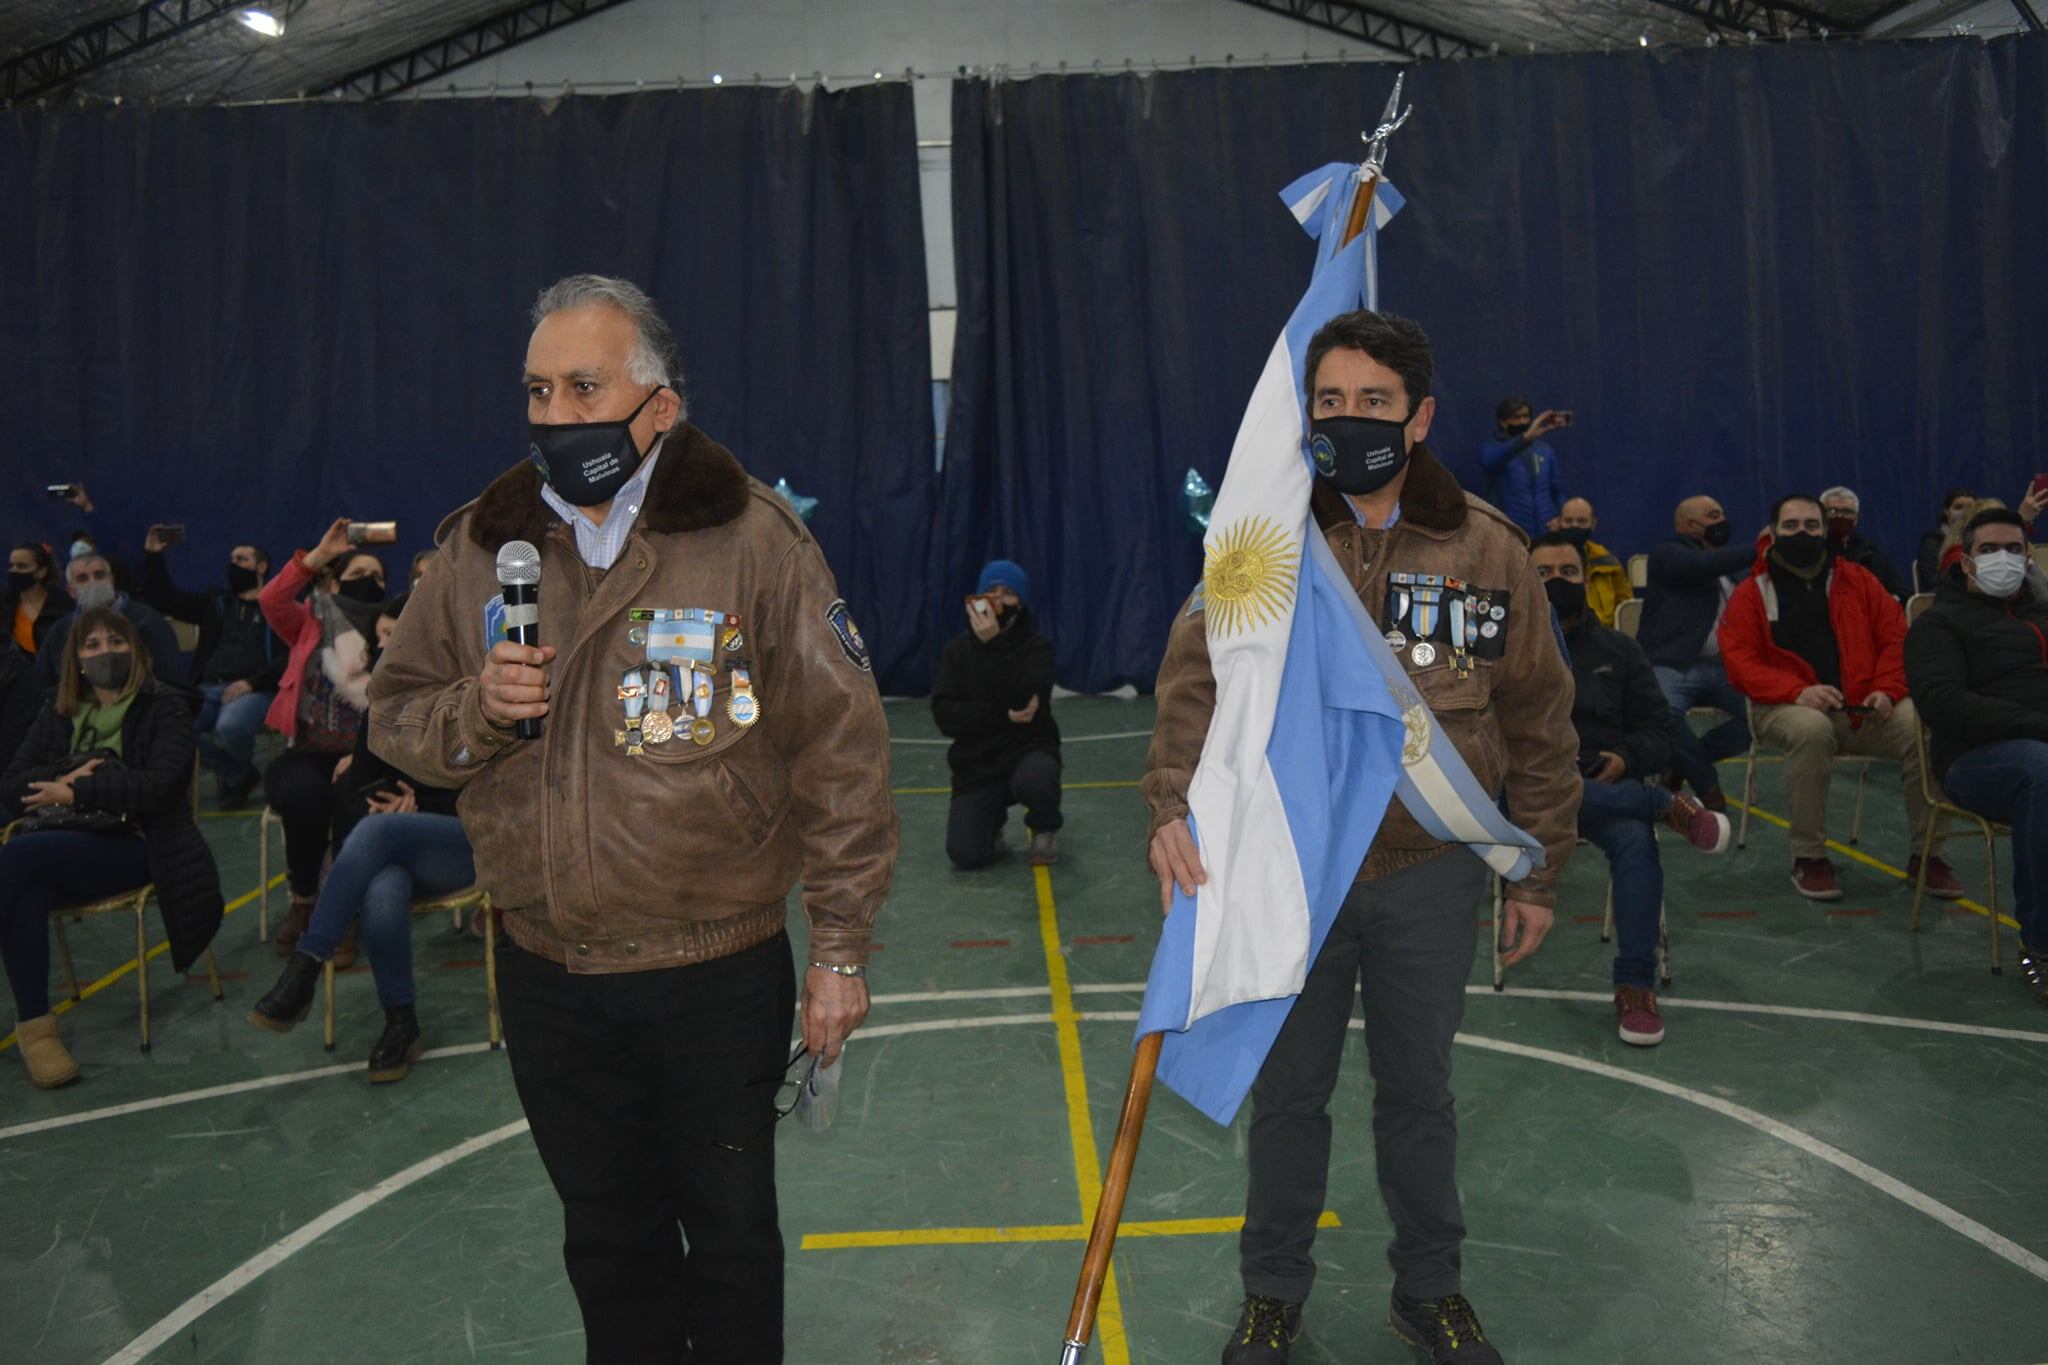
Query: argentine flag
x=1316, y=725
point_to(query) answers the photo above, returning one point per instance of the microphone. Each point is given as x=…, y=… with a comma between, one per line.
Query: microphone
x=519, y=576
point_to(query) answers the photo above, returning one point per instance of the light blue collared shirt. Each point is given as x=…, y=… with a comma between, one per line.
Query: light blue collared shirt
x=600, y=545
x=1393, y=517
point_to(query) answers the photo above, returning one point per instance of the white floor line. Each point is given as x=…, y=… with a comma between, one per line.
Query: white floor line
x=278, y=1252
x=1001, y=993
x=214, y=1092
x=1064, y=739
x=1669, y=1002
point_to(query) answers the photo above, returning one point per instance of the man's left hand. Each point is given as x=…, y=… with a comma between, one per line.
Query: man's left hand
x=235, y=691
x=1526, y=927
x=1880, y=705
x=1613, y=769
x=833, y=1007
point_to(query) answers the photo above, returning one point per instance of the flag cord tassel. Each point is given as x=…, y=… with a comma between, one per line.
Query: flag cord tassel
x=1116, y=1185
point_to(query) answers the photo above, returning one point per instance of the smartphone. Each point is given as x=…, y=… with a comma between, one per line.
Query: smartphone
x=62, y=492
x=171, y=533
x=1856, y=709
x=2039, y=487
x=373, y=533
x=981, y=605
x=1564, y=419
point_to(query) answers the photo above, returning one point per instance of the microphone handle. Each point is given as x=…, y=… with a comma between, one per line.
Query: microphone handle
x=522, y=625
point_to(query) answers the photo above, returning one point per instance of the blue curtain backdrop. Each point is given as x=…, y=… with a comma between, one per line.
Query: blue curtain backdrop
x=1747, y=271
x=255, y=320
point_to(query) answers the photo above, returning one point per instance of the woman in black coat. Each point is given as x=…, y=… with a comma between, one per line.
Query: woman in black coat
x=103, y=784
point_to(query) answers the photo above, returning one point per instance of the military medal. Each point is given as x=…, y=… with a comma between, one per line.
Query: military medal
x=1498, y=613
x=1428, y=596
x=659, y=727
x=1490, y=629
x=740, y=707
x=634, y=694
x=732, y=641
x=1396, y=641
x=702, y=731
x=1424, y=654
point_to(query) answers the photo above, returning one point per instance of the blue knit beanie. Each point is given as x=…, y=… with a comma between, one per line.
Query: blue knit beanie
x=1009, y=575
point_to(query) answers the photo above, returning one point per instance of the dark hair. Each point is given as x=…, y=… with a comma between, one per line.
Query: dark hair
x=1508, y=408
x=1552, y=539
x=1991, y=516
x=1778, y=507
x=72, y=689
x=1953, y=494
x=394, y=605
x=342, y=565
x=44, y=556
x=262, y=555
x=1394, y=342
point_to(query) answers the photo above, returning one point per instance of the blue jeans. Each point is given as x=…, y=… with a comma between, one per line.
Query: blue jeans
x=2008, y=782
x=1619, y=818
x=38, y=873
x=388, y=862
x=227, y=731
x=1703, y=684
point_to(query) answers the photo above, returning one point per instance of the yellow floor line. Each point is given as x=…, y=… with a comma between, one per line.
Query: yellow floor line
x=1051, y=1232
x=63, y=1006
x=1877, y=864
x=1109, y=1316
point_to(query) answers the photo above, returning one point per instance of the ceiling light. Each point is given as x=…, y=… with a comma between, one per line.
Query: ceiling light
x=262, y=21
x=717, y=79
x=1643, y=38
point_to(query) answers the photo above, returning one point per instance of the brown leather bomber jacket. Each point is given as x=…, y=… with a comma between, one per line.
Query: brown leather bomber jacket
x=1510, y=718
x=609, y=862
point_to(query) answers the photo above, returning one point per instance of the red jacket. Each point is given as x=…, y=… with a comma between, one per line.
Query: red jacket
x=1870, y=633
x=295, y=624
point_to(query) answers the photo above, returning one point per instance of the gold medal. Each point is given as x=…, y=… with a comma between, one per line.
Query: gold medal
x=658, y=728
x=702, y=733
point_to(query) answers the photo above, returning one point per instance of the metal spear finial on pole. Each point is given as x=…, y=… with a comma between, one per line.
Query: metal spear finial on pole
x=1374, y=166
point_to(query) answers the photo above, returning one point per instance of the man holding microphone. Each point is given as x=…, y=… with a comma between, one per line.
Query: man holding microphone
x=710, y=733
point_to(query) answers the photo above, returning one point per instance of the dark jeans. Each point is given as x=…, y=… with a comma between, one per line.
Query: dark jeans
x=2008, y=782
x=1704, y=684
x=227, y=731
x=1620, y=819
x=671, y=1243
x=299, y=785
x=977, y=815
x=1410, y=938
x=40, y=872
x=389, y=862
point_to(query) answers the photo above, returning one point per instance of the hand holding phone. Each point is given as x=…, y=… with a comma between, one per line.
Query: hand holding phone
x=373, y=533
x=167, y=534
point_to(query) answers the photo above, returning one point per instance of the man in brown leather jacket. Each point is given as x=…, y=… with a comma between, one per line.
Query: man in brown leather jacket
x=712, y=733
x=1407, y=929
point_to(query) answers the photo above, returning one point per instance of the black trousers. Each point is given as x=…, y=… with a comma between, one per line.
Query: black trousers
x=977, y=815
x=672, y=1243
x=299, y=785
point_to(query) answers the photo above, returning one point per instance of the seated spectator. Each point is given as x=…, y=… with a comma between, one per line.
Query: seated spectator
x=103, y=783
x=405, y=844
x=31, y=603
x=1818, y=646
x=321, y=699
x=1607, y=585
x=90, y=577
x=237, y=665
x=1842, y=508
x=1521, y=469
x=1688, y=590
x=993, y=698
x=21, y=697
x=1977, y=661
x=1955, y=513
x=1952, y=539
x=1624, y=728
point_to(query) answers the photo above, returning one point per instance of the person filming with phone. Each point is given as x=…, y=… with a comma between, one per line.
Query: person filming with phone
x=1818, y=646
x=993, y=699
x=1522, y=476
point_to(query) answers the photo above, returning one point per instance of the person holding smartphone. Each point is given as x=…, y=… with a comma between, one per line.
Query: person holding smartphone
x=1522, y=476
x=1818, y=646
x=993, y=699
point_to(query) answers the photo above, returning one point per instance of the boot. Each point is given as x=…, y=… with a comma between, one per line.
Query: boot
x=49, y=1065
x=345, y=951
x=399, y=1048
x=295, y=921
x=292, y=996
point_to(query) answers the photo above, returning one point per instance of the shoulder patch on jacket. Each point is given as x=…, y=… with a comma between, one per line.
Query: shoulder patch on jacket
x=849, y=635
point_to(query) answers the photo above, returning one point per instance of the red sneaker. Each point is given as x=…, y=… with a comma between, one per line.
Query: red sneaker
x=1815, y=879
x=1941, y=883
x=1641, y=1025
x=1705, y=830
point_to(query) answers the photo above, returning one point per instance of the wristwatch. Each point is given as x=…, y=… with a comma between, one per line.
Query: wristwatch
x=858, y=973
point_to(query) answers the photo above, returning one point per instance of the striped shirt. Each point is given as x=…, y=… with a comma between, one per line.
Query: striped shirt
x=600, y=545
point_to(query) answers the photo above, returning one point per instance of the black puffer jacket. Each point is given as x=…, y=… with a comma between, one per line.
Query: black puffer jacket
x=979, y=685
x=1978, y=667
x=21, y=696
x=153, y=787
x=1618, y=707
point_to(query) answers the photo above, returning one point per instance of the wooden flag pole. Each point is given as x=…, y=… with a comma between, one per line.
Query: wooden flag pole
x=1116, y=1184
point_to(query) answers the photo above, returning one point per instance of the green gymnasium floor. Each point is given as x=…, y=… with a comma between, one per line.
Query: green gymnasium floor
x=1837, y=1155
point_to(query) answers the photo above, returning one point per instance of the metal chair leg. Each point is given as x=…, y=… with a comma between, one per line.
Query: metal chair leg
x=213, y=975
x=1748, y=795
x=1991, y=884
x=1607, y=924
x=491, y=971
x=1663, y=946
x=64, y=947
x=327, y=1033
x=142, y=968
x=263, y=876
x=1856, y=825
x=1920, y=879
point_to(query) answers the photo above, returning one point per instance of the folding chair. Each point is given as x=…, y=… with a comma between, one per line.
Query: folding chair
x=1639, y=572
x=455, y=904
x=1628, y=616
x=1939, y=805
x=1758, y=753
x=270, y=817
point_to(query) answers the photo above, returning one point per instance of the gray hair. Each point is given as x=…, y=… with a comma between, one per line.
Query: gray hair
x=1841, y=494
x=654, y=359
x=92, y=557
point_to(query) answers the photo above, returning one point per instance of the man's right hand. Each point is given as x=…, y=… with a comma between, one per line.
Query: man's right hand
x=981, y=619
x=153, y=543
x=1177, y=861
x=1821, y=697
x=1024, y=715
x=515, y=683
x=1546, y=421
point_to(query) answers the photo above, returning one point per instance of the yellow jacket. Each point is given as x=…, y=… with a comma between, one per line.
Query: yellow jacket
x=1607, y=585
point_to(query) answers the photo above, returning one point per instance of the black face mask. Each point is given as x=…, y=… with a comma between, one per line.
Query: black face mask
x=1716, y=535
x=1568, y=597
x=1357, y=454
x=1577, y=535
x=1802, y=554
x=587, y=463
x=1515, y=428
x=240, y=580
x=364, y=589
x=1007, y=617
x=108, y=672
x=19, y=583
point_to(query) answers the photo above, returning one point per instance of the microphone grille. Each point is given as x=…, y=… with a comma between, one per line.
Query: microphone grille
x=518, y=564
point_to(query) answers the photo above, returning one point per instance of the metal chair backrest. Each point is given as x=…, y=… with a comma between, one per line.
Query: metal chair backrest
x=1917, y=603
x=1628, y=616
x=1639, y=572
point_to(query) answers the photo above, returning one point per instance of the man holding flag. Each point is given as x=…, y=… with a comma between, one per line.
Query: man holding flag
x=1365, y=630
